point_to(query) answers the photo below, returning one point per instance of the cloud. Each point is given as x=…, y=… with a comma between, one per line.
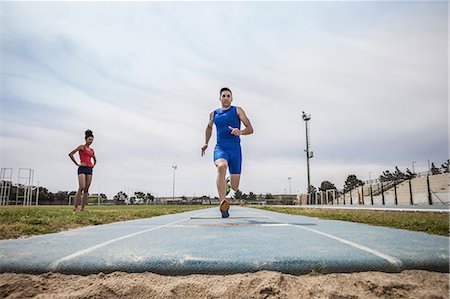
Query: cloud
x=144, y=76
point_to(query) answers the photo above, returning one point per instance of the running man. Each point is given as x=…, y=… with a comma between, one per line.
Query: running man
x=84, y=169
x=227, y=153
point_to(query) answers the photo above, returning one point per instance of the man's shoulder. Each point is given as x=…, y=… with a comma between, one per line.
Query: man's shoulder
x=218, y=110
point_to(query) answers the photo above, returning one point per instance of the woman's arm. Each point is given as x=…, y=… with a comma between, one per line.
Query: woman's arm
x=93, y=157
x=73, y=153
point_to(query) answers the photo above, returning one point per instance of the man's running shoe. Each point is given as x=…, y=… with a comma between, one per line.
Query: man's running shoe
x=228, y=186
x=225, y=214
x=224, y=207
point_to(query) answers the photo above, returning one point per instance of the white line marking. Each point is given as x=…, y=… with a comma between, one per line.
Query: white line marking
x=227, y=225
x=394, y=261
x=55, y=264
x=231, y=217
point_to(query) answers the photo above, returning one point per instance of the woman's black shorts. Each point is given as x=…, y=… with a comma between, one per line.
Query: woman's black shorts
x=85, y=170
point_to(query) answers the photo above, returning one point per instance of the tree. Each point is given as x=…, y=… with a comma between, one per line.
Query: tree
x=139, y=197
x=13, y=193
x=238, y=195
x=149, y=198
x=312, y=190
x=410, y=174
x=269, y=196
x=352, y=182
x=387, y=176
x=445, y=166
x=399, y=175
x=434, y=169
x=252, y=196
x=45, y=195
x=327, y=185
x=120, y=197
x=61, y=196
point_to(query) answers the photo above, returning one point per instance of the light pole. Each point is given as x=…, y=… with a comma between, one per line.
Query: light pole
x=370, y=172
x=173, y=184
x=413, y=162
x=289, y=178
x=37, y=193
x=309, y=154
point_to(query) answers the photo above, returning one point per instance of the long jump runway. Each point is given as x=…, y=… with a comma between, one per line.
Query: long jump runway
x=250, y=240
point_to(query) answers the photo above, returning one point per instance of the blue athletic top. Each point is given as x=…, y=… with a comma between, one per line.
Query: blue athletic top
x=222, y=119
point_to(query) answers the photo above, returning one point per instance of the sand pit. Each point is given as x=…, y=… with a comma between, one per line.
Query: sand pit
x=264, y=284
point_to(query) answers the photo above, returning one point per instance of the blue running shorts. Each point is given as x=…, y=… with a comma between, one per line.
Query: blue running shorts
x=232, y=154
x=85, y=170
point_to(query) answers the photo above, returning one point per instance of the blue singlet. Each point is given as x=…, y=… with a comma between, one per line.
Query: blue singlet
x=228, y=146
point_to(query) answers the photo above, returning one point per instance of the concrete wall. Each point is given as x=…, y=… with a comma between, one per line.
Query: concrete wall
x=439, y=185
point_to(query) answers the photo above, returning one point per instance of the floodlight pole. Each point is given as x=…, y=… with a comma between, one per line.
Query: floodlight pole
x=37, y=193
x=290, y=192
x=173, y=184
x=307, y=118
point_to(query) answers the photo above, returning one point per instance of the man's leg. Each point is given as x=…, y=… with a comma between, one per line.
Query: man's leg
x=235, y=168
x=222, y=166
x=221, y=160
x=235, y=178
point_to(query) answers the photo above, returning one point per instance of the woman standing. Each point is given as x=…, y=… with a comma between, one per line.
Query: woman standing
x=84, y=169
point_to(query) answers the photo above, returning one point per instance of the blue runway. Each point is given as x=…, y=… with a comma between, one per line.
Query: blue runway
x=250, y=240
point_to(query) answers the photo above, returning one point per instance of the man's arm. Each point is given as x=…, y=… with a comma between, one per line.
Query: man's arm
x=248, y=126
x=208, y=133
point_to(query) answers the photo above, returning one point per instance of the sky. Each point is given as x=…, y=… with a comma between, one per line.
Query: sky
x=144, y=76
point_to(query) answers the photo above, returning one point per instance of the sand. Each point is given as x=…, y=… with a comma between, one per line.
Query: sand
x=263, y=284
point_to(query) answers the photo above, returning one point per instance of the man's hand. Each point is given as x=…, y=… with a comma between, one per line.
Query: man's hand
x=204, y=147
x=235, y=131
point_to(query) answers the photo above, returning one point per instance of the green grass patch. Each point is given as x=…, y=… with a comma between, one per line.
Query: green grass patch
x=429, y=222
x=20, y=221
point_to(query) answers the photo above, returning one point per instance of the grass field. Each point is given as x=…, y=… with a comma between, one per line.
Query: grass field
x=19, y=221
x=432, y=223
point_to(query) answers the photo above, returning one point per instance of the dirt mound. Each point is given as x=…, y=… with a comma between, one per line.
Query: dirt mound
x=264, y=284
